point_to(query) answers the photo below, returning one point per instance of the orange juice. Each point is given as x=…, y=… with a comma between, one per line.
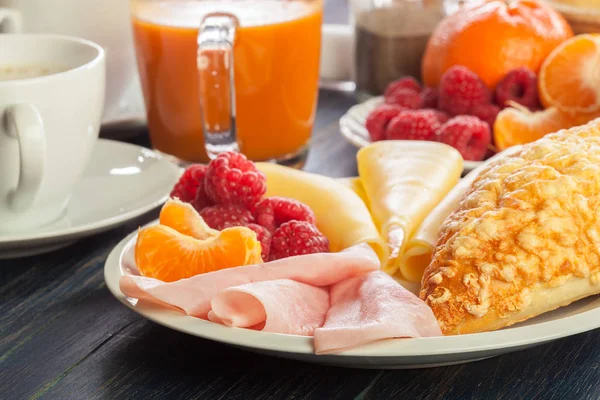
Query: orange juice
x=276, y=73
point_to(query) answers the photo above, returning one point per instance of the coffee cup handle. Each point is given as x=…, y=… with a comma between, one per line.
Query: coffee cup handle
x=24, y=124
x=215, y=63
x=10, y=21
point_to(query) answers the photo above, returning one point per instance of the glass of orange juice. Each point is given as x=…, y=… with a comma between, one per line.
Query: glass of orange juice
x=220, y=75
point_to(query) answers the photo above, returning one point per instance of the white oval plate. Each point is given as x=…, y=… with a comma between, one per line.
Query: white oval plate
x=352, y=127
x=581, y=316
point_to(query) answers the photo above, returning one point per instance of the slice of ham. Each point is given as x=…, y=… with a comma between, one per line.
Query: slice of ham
x=371, y=307
x=280, y=306
x=193, y=295
x=342, y=299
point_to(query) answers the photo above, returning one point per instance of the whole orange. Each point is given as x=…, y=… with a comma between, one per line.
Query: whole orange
x=494, y=37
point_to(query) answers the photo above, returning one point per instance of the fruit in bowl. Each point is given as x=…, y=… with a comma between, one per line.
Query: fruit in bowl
x=522, y=108
x=533, y=78
x=460, y=113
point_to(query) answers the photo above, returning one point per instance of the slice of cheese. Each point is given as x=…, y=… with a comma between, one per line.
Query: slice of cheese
x=341, y=214
x=404, y=181
x=355, y=184
x=419, y=248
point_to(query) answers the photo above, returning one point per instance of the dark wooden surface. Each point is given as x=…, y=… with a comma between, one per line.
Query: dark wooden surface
x=64, y=336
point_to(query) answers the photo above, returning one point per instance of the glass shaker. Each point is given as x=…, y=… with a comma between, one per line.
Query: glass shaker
x=390, y=39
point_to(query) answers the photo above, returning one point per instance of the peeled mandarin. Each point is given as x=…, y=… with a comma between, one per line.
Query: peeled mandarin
x=185, y=219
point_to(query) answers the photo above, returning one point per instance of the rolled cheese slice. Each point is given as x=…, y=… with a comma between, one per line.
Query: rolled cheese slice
x=419, y=248
x=403, y=182
x=341, y=214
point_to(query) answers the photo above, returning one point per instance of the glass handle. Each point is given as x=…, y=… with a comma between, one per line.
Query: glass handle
x=216, y=79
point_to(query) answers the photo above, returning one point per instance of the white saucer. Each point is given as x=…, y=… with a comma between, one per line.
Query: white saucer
x=352, y=127
x=121, y=182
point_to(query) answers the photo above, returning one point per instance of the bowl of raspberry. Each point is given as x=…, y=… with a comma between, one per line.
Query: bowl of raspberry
x=460, y=112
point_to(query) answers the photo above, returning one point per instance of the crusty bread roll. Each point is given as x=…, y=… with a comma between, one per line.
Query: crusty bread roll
x=524, y=240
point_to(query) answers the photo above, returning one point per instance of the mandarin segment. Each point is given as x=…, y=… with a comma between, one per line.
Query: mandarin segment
x=518, y=125
x=515, y=126
x=165, y=254
x=184, y=218
x=570, y=77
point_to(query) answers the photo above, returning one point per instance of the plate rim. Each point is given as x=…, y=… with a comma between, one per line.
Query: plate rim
x=501, y=340
x=359, y=142
x=30, y=237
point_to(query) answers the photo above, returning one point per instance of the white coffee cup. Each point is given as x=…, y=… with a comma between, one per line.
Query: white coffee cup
x=49, y=123
x=106, y=22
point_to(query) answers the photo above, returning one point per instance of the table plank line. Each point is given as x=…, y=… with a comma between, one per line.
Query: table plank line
x=371, y=384
x=55, y=381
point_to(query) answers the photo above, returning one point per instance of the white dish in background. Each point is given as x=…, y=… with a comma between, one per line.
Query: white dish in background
x=581, y=316
x=122, y=181
x=352, y=127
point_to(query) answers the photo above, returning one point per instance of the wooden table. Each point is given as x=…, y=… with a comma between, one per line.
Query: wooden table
x=64, y=336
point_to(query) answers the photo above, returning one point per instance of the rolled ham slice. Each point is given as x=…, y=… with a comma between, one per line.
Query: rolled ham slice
x=371, y=307
x=193, y=295
x=280, y=306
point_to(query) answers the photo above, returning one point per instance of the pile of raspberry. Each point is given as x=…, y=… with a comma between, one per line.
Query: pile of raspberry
x=460, y=112
x=230, y=190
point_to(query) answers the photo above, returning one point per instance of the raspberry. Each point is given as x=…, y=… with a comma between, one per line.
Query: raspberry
x=264, y=237
x=274, y=211
x=201, y=200
x=441, y=116
x=429, y=98
x=489, y=153
x=406, y=98
x=222, y=216
x=232, y=179
x=461, y=90
x=519, y=85
x=379, y=118
x=469, y=135
x=487, y=113
x=413, y=125
x=295, y=238
x=192, y=178
x=408, y=82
